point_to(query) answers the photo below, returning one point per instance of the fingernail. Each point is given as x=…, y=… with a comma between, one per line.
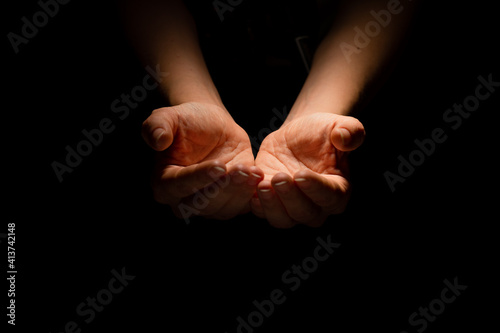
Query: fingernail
x=242, y=173
x=239, y=177
x=255, y=179
x=217, y=171
x=283, y=186
x=344, y=135
x=303, y=183
x=265, y=193
x=158, y=135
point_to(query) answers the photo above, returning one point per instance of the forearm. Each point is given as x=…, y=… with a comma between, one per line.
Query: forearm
x=164, y=33
x=343, y=67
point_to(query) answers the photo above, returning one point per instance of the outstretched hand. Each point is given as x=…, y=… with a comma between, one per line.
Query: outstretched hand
x=305, y=169
x=205, y=164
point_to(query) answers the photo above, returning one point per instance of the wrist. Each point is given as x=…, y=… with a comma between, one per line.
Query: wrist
x=308, y=103
x=326, y=91
x=186, y=91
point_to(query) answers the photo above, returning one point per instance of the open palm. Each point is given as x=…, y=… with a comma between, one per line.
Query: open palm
x=205, y=164
x=305, y=169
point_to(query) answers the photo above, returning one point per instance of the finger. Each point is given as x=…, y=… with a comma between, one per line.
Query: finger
x=256, y=206
x=240, y=191
x=159, y=129
x=224, y=200
x=178, y=182
x=271, y=205
x=298, y=206
x=347, y=134
x=330, y=192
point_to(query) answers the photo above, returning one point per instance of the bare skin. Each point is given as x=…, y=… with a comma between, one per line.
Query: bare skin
x=306, y=171
x=200, y=146
x=305, y=161
x=300, y=174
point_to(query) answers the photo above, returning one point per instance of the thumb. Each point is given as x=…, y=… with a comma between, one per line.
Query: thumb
x=159, y=129
x=347, y=134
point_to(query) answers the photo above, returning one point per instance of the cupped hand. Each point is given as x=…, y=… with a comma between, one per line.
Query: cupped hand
x=205, y=164
x=305, y=169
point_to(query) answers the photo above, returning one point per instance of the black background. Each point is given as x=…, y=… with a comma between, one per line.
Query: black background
x=397, y=248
